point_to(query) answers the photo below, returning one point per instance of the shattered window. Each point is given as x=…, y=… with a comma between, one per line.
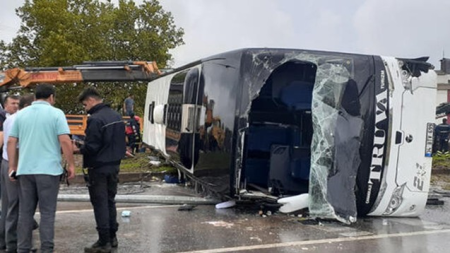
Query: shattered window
x=328, y=144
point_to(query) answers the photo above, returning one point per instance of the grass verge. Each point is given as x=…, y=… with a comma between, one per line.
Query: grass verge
x=139, y=163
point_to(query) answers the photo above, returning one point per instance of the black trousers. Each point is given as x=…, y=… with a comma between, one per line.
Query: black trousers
x=443, y=144
x=102, y=191
x=132, y=142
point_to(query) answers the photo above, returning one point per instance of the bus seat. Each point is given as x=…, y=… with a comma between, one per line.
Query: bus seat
x=300, y=164
x=257, y=171
x=262, y=137
x=297, y=95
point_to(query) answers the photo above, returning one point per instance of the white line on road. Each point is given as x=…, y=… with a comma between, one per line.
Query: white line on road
x=321, y=241
x=118, y=209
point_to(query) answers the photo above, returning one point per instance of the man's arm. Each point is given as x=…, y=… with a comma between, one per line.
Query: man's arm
x=1, y=139
x=66, y=146
x=2, y=120
x=93, y=139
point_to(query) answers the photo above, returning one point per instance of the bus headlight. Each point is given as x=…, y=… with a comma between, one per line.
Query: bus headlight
x=396, y=200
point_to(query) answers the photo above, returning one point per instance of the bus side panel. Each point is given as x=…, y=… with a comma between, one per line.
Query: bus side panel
x=157, y=95
x=219, y=94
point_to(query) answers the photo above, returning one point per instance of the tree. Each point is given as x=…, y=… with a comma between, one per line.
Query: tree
x=68, y=32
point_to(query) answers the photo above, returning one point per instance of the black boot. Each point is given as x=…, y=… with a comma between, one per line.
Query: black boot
x=103, y=245
x=99, y=247
x=113, y=239
x=114, y=242
x=112, y=234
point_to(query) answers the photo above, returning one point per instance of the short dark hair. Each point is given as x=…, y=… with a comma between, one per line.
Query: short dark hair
x=89, y=92
x=444, y=120
x=13, y=97
x=26, y=100
x=44, y=91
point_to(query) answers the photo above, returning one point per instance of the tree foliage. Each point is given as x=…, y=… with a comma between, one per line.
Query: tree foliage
x=68, y=32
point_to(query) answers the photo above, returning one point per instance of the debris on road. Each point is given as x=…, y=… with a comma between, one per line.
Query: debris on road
x=186, y=207
x=226, y=204
x=435, y=202
x=220, y=224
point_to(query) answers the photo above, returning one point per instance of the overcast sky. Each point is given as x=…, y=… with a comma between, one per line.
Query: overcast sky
x=403, y=28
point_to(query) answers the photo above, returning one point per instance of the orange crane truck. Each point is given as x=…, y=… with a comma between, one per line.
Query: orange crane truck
x=98, y=71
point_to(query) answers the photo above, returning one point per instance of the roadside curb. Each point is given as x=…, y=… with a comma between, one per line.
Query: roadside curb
x=440, y=171
x=143, y=199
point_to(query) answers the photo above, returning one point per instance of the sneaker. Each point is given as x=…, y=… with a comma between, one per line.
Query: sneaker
x=98, y=248
x=114, y=242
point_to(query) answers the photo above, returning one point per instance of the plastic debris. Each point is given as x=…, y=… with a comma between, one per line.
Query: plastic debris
x=126, y=213
x=294, y=203
x=155, y=163
x=226, y=204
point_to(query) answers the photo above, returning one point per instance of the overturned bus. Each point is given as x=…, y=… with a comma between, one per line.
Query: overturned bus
x=352, y=132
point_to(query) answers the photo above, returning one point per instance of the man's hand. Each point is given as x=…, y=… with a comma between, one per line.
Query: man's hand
x=71, y=171
x=66, y=145
x=75, y=148
x=11, y=169
x=13, y=155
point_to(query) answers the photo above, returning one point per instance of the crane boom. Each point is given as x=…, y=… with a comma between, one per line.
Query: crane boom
x=92, y=71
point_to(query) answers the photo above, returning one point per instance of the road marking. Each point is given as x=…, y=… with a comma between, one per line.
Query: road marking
x=321, y=241
x=118, y=209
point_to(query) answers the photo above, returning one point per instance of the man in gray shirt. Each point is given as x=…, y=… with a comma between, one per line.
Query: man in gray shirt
x=128, y=105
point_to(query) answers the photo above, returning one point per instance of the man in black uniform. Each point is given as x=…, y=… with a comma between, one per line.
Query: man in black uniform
x=442, y=132
x=103, y=149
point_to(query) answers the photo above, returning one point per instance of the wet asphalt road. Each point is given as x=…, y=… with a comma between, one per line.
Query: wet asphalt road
x=162, y=228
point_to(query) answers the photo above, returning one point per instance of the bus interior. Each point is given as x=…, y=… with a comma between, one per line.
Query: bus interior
x=277, y=149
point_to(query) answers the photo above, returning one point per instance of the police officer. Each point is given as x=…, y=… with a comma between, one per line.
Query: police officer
x=442, y=132
x=102, y=150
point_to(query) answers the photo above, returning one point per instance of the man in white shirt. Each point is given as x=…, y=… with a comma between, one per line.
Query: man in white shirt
x=10, y=189
x=11, y=105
